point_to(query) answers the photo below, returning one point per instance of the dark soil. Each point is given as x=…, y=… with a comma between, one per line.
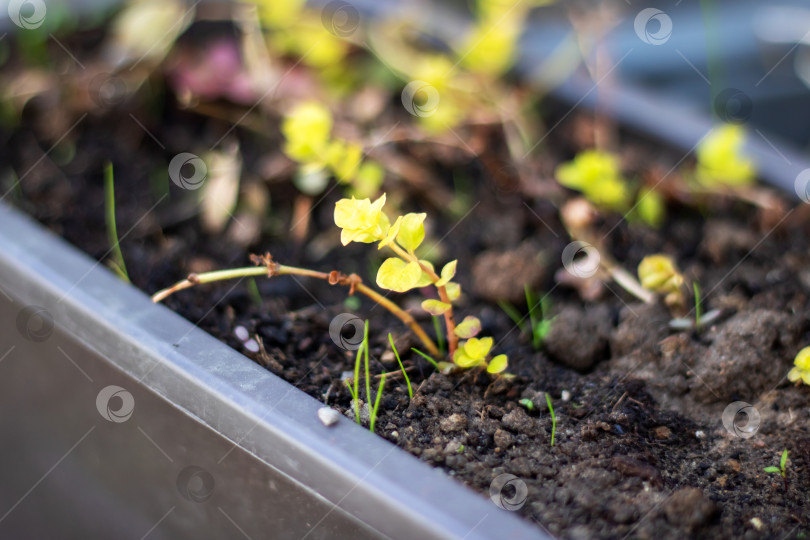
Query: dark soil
x=639, y=449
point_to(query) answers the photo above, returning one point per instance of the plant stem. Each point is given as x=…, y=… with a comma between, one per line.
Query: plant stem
x=352, y=281
x=553, y=418
x=449, y=321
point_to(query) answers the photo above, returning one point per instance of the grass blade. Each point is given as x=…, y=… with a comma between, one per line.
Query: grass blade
x=373, y=412
x=401, y=367
x=119, y=266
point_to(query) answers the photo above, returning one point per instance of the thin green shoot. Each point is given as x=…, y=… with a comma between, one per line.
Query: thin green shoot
x=365, y=353
x=698, y=313
x=553, y=418
x=513, y=314
x=373, y=412
x=356, y=382
x=437, y=327
x=354, y=400
x=253, y=292
x=426, y=357
x=401, y=367
x=117, y=260
x=531, y=304
x=540, y=323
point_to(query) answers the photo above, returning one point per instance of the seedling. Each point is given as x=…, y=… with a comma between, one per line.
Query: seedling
x=365, y=222
x=700, y=320
x=117, y=261
x=307, y=130
x=801, y=367
x=353, y=385
x=781, y=469
x=527, y=403
x=659, y=274
x=429, y=359
x=553, y=418
x=539, y=324
x=376, y=407
x=401, y=367
x=598, y=177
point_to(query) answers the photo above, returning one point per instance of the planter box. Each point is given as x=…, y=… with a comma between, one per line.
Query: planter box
x=118, y=416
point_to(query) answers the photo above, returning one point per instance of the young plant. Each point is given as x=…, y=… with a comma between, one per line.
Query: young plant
x=373, y=411
x=598, y=177
x=307, y=130
x=539, y=324
x=401, y=367
x=781, y=469
x=801, y=367
x=117, y=261
x=365, y=222
x=553, y=418
x=658, y=273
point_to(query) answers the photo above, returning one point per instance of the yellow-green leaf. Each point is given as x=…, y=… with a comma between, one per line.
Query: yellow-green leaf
x=448, y=272
x=498, y=364
x=392, y=233
x=412, y=232
x=397, y=275
x=468, y=328
x=478, y=348
x=463, y=360
x=435, y=307
x=424, y=279
x=453, y=291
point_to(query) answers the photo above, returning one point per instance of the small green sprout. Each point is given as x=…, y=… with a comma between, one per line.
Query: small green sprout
x=373, y=411
x=701, y=319
x=719, y=159
x=781, y=469
x=353, y=385
x=428, y=358
x=539, y=324
x=365, y=222
x=117, y=261
x=553, y=417
x=527, y=403
x=801, y=367
x=401, y=367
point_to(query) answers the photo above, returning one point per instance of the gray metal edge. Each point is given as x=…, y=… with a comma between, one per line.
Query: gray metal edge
x=366, y=476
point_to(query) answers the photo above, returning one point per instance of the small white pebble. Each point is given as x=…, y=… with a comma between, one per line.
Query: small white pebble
x=241, y=333
x=565, y=395
x=757, y=523
x=700, y=435
x=328, y=416
x=395, y=434
x=252, y=346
